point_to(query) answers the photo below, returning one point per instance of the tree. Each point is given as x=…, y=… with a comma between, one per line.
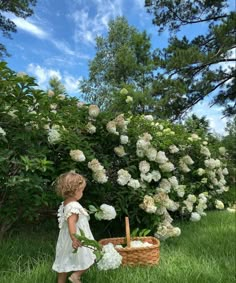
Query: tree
x=195, y=69
x=20, y=8
x=197, y=124
x=56, y=86
x=123, y=57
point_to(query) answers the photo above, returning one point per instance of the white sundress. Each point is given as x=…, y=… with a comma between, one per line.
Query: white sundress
x=66, y=260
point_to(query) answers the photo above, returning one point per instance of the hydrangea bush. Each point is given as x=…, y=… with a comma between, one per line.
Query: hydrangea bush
x=150, y=170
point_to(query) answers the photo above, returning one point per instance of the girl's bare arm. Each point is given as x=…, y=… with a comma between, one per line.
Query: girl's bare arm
x=72, y=220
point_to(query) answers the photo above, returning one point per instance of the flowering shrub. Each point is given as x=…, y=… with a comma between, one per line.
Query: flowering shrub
x=150, y=170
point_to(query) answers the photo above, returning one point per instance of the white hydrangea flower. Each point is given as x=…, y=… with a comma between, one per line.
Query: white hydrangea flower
x=195, y=217
x=111, y=259
x=77, y=155
x=151, y=153
x=146, y=137
x=165, y=185
x=167, y=167
x=191, y=198
x=202, y=198
x=144, y=166
x=51, y=93
x=205, y=143
x=231, y=210
x=90, y=128
x=61, y=96
x=194, y=137
x=111, y=128
x=168, y=131
x=120, y=151
x=171, y=205
x=219, y=204
x=189, y=205
x=148, y=204
x=93, y=111
x=166, y=231
x=204, y=180
x=108, y=212
x=211, y=174
x=129, y=99
x=46, y=126
x=200, y=208
x=99, y=173
x=124, y=139
x=148, y=117
x=21, y=74
x=134, y=183
x=173, y=149
x=53, y=106
x=225, y=171
x=100, y=176
x=142, y=144
x=222, y=181
x=124, y=91
x=222, y=150
x=121, y=122
x=200, y=171
x=205, y=151
x=174, y=182
x=176, y=232
x=2, y=132
x=140, y=153
x=139, y=244
x=156, y=175
x=210, y=163
x=123, y=177
x=95, y=165
x=183, y=167
x=187, y=160
x=146, y=177
x=53, y=136
x=180, y=190
x=161, y=157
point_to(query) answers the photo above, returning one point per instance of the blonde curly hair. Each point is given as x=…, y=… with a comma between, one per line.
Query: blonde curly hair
x=69, y=183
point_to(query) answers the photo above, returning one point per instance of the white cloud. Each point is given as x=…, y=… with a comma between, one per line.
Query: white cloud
x=43, y=76
x=31, y=28
x=35, y=30
x=62, y=46
x=71, y=83
x=88, y=25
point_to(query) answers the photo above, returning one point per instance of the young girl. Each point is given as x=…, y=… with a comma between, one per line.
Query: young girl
x=71, y=217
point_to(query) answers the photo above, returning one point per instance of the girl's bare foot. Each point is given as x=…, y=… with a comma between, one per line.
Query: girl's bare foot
x=74, y=278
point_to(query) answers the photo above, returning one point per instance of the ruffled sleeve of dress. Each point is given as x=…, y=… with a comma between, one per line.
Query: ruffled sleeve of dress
x=74, y=207
x=60, y=215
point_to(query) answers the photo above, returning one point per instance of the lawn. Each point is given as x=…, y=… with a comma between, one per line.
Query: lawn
x=204, y=253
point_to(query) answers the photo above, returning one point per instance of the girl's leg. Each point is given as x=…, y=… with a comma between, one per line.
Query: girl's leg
x=61, y=278
x=77, y=274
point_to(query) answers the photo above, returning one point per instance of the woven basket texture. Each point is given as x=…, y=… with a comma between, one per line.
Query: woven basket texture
x=137, y=255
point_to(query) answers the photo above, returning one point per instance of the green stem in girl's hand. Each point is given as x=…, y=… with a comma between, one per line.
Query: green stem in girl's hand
x=91, y=244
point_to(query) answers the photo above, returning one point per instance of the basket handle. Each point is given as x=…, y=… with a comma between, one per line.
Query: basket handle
x=127, y=231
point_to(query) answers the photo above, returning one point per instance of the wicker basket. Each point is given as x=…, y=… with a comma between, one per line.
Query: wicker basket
x=136, y=256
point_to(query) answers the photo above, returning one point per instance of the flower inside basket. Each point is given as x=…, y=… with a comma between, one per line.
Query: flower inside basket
x=141, y=254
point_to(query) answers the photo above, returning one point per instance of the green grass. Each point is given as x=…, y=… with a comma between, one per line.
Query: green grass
x=204, y=253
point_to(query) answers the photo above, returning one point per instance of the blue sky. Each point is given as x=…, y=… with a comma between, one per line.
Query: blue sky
x=59, y=39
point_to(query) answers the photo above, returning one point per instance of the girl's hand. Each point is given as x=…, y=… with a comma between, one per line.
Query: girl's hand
x=76, y=244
